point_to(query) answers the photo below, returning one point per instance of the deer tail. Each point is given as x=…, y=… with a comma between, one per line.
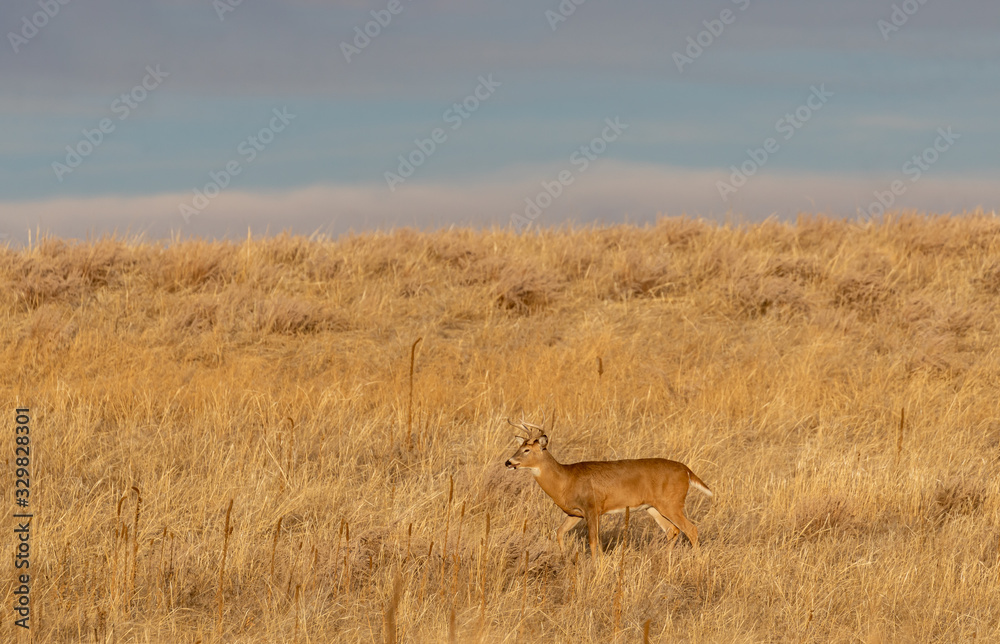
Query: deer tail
x=698, y=483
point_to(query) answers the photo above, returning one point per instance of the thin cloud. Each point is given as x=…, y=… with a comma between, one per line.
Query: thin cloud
x=613, y=192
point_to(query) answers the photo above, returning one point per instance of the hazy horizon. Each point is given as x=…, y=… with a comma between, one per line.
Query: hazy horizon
x=132, y=116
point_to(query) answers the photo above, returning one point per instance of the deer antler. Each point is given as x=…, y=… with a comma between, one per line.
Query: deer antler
x=519, y=427
x=533, y=431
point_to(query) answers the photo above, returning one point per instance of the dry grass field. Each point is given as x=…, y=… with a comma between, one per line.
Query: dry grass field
x=179, y=388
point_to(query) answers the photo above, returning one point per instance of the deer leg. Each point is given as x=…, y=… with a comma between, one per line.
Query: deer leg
x=673, y=534
x=675, y=513
x=566, y=526
x=594, y=532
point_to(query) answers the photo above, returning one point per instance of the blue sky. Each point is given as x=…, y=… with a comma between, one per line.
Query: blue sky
x=891, y=88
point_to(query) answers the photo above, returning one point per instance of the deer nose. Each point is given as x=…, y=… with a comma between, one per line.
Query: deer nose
x=507, y=464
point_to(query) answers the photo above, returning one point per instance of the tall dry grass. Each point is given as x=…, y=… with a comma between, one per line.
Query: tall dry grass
x=775, y=359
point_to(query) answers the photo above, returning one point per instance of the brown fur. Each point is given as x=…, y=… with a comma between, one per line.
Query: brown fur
x=591, y=488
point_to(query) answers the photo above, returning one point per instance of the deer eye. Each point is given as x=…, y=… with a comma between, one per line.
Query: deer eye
x=526, y=451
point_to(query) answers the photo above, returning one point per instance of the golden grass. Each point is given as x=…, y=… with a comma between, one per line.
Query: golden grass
x=774, y=359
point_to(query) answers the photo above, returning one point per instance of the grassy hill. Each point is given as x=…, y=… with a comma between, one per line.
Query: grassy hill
x=834, y=382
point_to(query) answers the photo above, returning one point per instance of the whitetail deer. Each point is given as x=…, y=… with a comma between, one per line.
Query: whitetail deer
x=589, y=489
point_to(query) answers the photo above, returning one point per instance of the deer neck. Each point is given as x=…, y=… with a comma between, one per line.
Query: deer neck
x=551, y=476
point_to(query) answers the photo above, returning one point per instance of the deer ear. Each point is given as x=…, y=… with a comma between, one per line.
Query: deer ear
x=520, y=440
x=543, y=440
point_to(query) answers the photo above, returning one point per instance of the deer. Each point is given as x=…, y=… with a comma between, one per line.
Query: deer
x=589, y=489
